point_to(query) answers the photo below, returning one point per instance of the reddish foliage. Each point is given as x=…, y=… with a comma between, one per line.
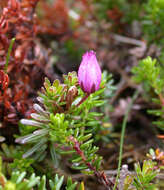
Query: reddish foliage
x=18, y=20
x=115, y=15
x=4, y=80
x=54, y=19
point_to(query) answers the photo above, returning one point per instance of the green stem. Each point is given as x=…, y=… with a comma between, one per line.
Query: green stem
x=8, y=54
x=122, y=136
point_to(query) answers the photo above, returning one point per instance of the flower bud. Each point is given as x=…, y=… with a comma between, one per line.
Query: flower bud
x=89, y=73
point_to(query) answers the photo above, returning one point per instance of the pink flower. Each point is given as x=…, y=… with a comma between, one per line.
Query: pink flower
x=89, y=73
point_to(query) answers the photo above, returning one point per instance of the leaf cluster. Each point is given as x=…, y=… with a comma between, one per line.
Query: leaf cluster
x=17, y=23
x=145, y=176
x=153, y=23
x=22, y=181
x=150, y=73
x=59, y=126
x=142, y=178
x=14, y=161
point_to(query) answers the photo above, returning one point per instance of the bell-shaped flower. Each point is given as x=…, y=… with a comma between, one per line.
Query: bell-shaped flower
x=89, y=73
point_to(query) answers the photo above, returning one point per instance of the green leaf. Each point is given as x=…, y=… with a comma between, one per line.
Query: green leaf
x=84, y=138
x=42, y=185
x=86, y=144
x=35, y=148
x=81, y=187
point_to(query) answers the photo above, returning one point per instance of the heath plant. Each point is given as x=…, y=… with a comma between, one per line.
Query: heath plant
x=65, y=120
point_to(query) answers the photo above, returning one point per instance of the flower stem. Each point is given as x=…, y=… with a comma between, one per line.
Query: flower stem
x=122, y=136
x=102, y=178
x=83, y=99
